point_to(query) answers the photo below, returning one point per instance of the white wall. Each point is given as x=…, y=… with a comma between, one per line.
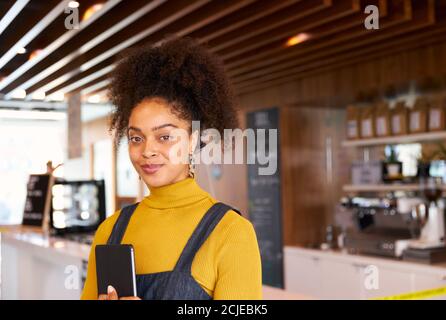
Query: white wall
x=25, y=147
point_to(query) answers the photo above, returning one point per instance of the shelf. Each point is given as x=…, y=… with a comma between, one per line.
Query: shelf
x=409, y=138
x=383, y=187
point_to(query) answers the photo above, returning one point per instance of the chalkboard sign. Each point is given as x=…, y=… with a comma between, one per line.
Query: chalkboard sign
x=37, y=200
x=264, y=195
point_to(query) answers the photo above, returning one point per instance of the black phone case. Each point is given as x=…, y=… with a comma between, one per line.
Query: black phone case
x=115, y=266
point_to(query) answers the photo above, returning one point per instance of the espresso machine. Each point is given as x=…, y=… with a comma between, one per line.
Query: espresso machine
x=431, y=221
x=408, y=227
x=372, y=225
x=429, y=214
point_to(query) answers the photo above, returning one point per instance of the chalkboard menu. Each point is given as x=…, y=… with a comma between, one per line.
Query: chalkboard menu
x=264, y=195
x=37, y=199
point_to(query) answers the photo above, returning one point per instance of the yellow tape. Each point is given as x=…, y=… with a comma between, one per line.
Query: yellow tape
x=425, y=294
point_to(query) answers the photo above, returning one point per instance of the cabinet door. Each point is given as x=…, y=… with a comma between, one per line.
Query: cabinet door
x=427, y=281
x=340, y=280
x=302, y=275
x=390, y=281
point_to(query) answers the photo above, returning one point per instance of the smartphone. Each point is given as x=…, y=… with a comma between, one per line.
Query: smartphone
x=115, y=266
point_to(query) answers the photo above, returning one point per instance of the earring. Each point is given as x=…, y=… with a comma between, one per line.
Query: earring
x=191, y=166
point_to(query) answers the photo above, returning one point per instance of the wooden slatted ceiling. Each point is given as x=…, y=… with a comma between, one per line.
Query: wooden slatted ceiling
x=415, y=28
x=190, y=23
x=249, y=35
x=393, y=26
x=8, y=11
x=5, y=6
x=183, y=26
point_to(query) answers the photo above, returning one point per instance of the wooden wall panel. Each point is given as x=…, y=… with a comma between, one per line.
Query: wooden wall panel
x=310, y=188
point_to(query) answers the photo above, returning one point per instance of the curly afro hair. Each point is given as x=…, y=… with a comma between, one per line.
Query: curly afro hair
x=182, y=72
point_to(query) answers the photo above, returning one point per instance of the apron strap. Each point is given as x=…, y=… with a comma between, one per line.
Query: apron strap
x=207, y=224
x=121, y=224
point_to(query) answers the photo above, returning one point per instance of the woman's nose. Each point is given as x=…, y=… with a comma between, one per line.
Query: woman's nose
x=150, y=150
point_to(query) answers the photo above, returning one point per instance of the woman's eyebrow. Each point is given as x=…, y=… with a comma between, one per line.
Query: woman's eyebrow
x=163, y=126
x=134, y=128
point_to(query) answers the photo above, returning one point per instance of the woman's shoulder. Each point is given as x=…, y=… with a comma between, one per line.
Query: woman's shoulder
x=105, y=228
x=234, y=223
x=238, y=224
x=234, y=232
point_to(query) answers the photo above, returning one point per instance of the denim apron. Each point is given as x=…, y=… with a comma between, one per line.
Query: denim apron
x=177, y=284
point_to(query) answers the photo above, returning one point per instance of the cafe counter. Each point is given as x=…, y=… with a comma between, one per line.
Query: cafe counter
x=35, y=266
x=38, y=267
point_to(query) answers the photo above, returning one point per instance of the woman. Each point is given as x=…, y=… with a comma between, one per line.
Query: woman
x=187, y=244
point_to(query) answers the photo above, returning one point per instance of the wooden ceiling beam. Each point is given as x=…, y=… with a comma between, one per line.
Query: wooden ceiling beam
x=10, y=83
x=198, y=19
x=86, y=81
x=276, y=52
x=32, y=33
x=11, y=14
x=352, y=4
x=249, y=36
x=74, y=76
x=422, y=19
x=398, y=48
x=286, y=18
x=96, y=88
x=35, y=83
x=97, y=55
x=89, y=84
x=241, y=18
x=329, y=16
x=328, y=46
x=402, y=43
x=188, y=24
x=212, y=15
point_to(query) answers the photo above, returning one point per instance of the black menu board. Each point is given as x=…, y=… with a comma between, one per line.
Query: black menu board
x=265, y=198
x=37, y=199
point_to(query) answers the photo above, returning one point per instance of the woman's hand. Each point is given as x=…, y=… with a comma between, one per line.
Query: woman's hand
x=113, y=295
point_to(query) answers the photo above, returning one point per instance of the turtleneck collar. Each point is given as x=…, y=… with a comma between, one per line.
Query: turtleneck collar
x=175, y=195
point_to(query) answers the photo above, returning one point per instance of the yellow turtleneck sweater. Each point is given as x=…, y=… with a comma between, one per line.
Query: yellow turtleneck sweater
x=227, y=266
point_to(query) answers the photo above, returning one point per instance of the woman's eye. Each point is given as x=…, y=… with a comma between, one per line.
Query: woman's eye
x=166, y=138
x=135, y=139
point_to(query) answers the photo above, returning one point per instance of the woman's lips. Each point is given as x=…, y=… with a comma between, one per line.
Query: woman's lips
x=151, y=168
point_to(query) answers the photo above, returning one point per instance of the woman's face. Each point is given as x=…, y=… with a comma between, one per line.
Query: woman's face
x=159, y=143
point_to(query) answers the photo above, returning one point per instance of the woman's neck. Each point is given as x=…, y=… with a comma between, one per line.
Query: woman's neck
x=177, y=194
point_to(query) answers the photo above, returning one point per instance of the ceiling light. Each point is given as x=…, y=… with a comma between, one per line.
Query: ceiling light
x=299, y=38
x=38, y=95
x=73, y=4
x=92, y=10
x=21, y=50
x=18, y=94
x=57, y=96
x=35, y=53
x=94, y=98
